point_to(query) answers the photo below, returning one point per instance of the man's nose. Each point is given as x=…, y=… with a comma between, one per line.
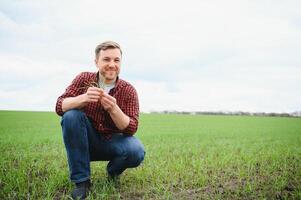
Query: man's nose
x=112, y=64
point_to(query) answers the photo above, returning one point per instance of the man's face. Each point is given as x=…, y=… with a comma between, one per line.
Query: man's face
x=108, y=63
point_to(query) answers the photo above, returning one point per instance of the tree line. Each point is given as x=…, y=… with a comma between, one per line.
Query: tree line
x=238, y=113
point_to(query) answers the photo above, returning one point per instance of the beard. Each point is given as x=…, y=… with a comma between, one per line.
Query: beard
x=109, y=74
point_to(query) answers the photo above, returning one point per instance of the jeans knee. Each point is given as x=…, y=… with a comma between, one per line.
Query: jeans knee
x=137, y=156
x=74, y=129
x=73, y=116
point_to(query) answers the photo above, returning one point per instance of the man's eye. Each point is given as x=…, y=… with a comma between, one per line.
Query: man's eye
x=117, y=61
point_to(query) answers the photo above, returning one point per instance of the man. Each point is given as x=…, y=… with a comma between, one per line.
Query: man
x=99, y=118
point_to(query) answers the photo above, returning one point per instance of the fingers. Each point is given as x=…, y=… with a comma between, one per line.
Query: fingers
x=95, y=89
x=109, y=97
x=93, y=98
x=94, y=94
x=108, y=102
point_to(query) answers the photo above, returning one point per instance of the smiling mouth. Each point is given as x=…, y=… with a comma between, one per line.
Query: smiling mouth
x=110, y=69
x=106, y=73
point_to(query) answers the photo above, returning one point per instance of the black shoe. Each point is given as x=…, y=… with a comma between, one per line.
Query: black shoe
x=81, y=191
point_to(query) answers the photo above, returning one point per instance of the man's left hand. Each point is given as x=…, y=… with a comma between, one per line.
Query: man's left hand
x=108, y=102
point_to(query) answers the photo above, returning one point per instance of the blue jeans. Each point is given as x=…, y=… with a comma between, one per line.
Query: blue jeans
x=84, y=144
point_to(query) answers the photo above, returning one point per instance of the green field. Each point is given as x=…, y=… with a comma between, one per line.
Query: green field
x=187, y=157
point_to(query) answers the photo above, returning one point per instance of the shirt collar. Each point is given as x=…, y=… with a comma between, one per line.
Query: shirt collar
x=117, y=82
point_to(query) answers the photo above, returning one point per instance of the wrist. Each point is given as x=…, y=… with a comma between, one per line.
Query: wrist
x=114, y=110
x=82, y=99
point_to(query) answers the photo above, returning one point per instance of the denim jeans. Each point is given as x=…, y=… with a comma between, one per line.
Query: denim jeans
x=84, y=144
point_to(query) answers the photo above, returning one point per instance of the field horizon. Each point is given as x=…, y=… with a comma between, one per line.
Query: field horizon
x=187, y=157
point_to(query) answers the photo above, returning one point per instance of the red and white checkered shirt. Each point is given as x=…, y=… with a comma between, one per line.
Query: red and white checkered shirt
x=126, y=97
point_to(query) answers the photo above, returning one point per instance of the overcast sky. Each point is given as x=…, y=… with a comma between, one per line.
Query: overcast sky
x=179, y=55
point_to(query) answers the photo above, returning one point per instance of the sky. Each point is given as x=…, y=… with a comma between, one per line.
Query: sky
x=192, y=55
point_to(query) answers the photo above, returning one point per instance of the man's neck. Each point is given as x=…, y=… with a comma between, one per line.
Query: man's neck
x=106, y=81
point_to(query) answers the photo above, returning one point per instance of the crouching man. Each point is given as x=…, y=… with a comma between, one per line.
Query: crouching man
x=99, y=118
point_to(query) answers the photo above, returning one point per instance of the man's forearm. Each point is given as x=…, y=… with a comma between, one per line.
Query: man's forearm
x=72, y=103
x=120, y=119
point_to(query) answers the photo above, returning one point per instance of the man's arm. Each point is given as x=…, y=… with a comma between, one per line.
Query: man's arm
x=92, y=95
x=73, y=102
x=73, y=91
x=120, y=119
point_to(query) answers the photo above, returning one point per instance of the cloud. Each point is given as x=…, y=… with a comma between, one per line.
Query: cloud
x=183, y=55
x=32, y=84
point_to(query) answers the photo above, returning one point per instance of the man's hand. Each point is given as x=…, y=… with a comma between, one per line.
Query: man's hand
x=108, y=102
x=93, y=94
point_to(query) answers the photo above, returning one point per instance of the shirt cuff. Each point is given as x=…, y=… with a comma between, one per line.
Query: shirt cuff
x=132, y=127
x=58, y=108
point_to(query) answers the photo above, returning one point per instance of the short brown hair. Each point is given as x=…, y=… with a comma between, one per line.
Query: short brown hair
x=107, y=45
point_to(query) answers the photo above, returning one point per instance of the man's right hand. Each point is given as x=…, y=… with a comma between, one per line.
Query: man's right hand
x=93, y=94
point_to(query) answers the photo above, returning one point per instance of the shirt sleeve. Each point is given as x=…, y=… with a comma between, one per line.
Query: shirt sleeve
x=132, y=111
x=73, y=90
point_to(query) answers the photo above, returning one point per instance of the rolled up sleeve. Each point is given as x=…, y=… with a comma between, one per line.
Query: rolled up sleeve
x=132, y=111
x=73, y=90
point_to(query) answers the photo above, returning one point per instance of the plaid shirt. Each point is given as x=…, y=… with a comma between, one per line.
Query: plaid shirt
x=126, y=97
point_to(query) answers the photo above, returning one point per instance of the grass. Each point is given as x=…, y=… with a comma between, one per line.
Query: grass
x=188, y=157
